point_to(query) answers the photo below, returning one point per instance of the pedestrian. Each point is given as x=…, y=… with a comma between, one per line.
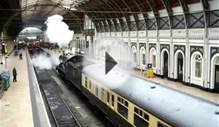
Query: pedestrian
x=20, y=56
x=14, y=72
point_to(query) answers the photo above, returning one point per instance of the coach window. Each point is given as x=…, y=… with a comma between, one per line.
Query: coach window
x=112, y=97
x=90, y=85
x=108, y=97
x=102, y=93
x=159, y=124
x=141, y=119
x=96, y=91
x=86, y=82
x=122, y=107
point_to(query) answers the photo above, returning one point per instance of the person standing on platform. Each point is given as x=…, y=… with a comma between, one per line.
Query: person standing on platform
x=20, y=56
x=14, y=72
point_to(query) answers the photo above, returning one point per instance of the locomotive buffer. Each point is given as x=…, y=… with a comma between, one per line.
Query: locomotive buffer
x=109, y=63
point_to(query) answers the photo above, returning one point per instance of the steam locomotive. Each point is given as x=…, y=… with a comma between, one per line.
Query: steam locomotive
x=129, y=101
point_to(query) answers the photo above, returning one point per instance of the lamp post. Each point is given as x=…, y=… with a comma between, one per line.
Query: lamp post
x=1, y=59
x=2, y=52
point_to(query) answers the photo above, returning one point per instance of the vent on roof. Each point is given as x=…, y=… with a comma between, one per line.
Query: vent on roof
x=153, y=87
x=177, y=109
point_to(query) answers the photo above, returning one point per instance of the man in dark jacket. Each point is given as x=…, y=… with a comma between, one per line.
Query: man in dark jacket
x=14, y=72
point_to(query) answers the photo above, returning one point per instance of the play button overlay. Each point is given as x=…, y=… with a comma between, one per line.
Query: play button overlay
x=109, y=63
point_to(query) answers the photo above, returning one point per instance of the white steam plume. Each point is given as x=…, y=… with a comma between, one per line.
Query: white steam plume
x=43, y=61
x=58, y=31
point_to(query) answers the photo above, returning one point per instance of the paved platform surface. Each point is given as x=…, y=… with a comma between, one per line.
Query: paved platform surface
x=15, y=105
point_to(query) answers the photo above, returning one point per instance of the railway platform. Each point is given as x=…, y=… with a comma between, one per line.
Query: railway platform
x=22, y=104
x=15, y=105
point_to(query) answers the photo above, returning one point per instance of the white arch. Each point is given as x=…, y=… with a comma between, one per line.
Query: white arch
x=134, y=49
x=162, y=60
x=176, y=64
x=31, y=29
x=142, y=51
x=196, y=80
x=213, y=63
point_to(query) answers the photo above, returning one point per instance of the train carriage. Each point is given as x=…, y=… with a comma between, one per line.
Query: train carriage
x=130, y=101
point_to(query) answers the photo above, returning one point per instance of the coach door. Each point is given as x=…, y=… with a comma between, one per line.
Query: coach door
x=217, y=78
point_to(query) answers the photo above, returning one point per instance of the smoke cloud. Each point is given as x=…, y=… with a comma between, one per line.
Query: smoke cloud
x=58, y=31
x=43, y=61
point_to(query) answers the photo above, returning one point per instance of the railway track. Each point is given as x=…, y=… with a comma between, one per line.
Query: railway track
x=59, y=109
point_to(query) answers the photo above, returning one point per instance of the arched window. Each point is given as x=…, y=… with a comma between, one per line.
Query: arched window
x=198, y=66
x=179, y=66
x=197, y=69
x=153, y=57
x=143, y=60
x=134, y=50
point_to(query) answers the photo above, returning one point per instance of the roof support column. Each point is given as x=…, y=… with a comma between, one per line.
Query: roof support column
x=127, y=21
x=206, y=57
x=151, y=4
x=186, y=75
x=167, y=5
x=135, y=16
x=147, y=42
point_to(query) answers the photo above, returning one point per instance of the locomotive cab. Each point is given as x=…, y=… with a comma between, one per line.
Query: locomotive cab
x=71, y=69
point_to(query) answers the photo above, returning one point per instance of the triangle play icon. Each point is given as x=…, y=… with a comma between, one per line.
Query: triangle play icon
x=109, y=63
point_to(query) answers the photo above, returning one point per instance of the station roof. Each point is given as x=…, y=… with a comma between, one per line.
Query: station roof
x=16, y=14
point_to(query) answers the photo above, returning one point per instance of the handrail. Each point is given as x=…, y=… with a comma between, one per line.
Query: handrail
x=40, y=115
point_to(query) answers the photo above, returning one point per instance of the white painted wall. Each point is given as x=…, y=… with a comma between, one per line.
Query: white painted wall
x=163, y=13
x=189, y=37
x=177, y=10
x=196, y=7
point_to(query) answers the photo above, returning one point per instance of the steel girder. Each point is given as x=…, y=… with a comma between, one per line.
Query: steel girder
x=105, y=12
